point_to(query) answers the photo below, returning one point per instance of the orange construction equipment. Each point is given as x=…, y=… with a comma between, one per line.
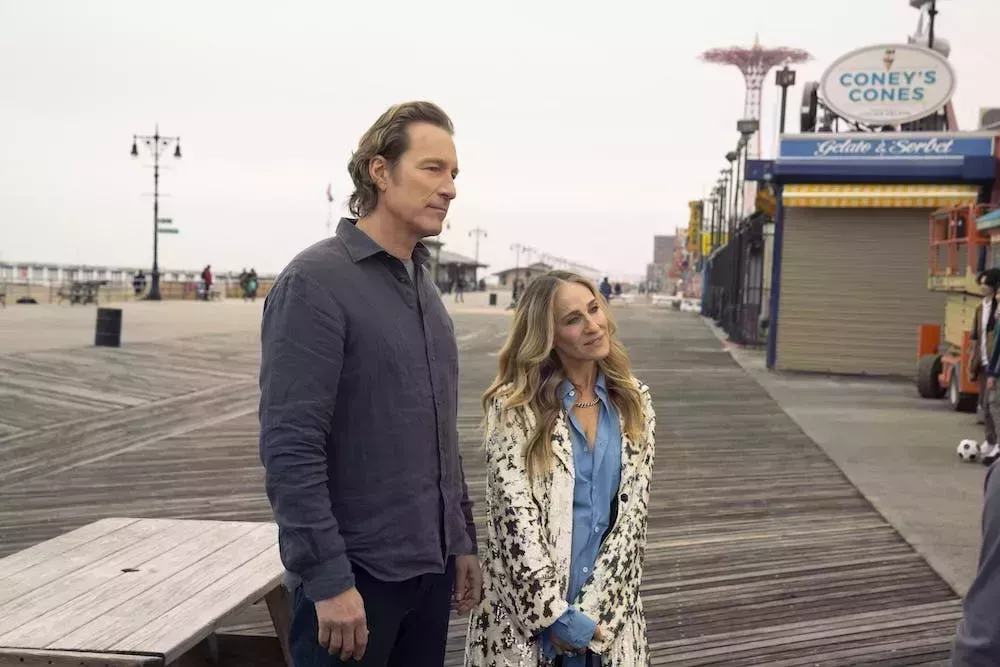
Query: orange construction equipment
x=958, y=253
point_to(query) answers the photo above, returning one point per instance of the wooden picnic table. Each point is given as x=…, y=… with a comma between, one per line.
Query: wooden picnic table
x=130, y=592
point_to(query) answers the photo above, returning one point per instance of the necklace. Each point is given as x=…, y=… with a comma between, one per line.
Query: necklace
x=588, y=404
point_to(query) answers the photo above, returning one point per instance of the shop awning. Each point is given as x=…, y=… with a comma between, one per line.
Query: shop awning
x=989, y=221
x=878, y=196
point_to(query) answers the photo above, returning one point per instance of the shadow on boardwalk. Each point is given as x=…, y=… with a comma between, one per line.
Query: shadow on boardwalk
x=760, y=551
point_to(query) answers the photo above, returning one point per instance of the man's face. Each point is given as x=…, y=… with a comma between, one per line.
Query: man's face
x=421, y=185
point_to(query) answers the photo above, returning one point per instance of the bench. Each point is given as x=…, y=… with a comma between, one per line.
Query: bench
x=82, y=292
x=139, y=593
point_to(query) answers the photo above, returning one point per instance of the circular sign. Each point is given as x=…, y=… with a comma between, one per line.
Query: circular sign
x=888, y=84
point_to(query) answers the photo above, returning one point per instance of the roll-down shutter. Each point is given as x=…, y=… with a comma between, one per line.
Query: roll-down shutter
x=854, y=290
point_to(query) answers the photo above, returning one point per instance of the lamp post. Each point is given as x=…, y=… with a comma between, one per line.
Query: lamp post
x=723, y=182
x=784, y=78
x=730, y=176
x=734, y=161
x=747, y=128
x=156, y=145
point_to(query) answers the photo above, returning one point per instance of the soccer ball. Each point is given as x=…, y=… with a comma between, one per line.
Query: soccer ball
x=968, y=450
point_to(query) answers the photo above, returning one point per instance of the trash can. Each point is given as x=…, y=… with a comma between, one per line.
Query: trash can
x=493, y=298
x=109, y=327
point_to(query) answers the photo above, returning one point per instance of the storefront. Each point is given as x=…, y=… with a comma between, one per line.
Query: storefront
x=849, y=269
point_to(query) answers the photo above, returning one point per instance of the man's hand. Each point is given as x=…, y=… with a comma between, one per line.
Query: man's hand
x=468, y=584
x=342, y=624
x=991, y=383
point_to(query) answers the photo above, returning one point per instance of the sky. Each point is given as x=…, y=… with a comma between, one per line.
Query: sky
x=582, y=128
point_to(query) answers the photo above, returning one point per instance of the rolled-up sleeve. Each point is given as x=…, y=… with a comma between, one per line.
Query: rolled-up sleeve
x=302, y=350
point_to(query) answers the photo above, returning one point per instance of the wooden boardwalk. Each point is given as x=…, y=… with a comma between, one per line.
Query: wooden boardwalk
x=760, y=551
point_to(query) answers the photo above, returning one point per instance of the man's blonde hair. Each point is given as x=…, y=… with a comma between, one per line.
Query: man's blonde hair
x=389, y=138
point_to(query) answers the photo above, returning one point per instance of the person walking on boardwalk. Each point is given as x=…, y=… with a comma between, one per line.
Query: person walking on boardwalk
x=569, y=439
x=358, y=416
x=206, y=281
x=606, y=289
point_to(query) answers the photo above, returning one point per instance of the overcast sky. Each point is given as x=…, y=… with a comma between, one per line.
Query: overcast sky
x=583, y=128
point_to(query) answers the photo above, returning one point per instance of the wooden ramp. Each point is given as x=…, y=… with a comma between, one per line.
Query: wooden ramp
x=760, y=551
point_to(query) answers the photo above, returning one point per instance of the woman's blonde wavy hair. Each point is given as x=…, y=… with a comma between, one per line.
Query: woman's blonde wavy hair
x=530, y=371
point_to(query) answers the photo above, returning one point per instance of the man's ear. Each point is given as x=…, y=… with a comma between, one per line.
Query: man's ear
x=378, y=171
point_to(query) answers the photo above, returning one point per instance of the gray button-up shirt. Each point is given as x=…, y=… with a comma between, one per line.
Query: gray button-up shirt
x=977, y=642
x=358, y=418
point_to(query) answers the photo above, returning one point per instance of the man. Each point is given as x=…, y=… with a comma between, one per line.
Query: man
x=981, y=336
x=606, y=289
x=977, y=642
x=206, y=279
x=358, y=433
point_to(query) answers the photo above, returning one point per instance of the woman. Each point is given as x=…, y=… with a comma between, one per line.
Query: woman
x=569, y=449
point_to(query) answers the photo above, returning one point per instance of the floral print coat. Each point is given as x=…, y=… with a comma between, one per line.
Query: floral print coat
x=529, y=543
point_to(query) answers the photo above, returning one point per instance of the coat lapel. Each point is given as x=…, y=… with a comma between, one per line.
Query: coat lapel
x=562, y=443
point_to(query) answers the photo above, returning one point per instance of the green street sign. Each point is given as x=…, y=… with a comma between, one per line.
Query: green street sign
x=168, y=230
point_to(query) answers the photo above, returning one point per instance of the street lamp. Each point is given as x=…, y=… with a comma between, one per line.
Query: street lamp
x=747, y=128
x=733, y=157
x=784, y=78
x=156, y=144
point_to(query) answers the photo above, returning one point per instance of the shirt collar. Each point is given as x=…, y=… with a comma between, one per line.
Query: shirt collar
x=569, y=393
x=360, y=246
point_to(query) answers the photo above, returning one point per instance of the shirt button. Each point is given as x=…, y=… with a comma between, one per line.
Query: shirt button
x=585, y=570
x=572, y=393
x=596, y=529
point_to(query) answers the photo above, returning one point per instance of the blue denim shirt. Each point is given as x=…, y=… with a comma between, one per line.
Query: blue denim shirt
x=597, y=478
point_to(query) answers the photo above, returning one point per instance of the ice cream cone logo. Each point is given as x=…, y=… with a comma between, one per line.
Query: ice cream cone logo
x=889, y=58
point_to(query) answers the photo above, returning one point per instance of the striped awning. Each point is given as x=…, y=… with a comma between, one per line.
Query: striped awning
x=834, y=195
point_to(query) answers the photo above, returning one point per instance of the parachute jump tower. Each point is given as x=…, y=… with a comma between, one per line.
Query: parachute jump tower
x=754, y=62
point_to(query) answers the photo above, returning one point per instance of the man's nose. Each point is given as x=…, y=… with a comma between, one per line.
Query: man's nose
x=447, y=190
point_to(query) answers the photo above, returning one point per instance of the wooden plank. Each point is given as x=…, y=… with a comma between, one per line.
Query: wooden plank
x=170, y=634
x=73, y=601
x=36, y=658
x=190, y=600
x=59, y=545
x=81, y=559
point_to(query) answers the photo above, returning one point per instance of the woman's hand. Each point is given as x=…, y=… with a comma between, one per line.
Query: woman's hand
x=562, y=648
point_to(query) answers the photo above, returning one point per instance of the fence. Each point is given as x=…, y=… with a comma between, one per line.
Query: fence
x=44, y=291
x=736, y=292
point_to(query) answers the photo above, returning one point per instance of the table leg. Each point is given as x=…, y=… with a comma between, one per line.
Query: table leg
x=279, y=605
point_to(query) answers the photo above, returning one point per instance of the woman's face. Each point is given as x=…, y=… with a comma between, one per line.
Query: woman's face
x=581, y=325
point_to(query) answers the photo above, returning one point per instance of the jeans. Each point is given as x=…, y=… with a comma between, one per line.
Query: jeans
x=407, y=622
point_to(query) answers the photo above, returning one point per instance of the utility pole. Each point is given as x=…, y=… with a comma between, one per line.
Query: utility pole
x=156, y=145
x=932, y=12
x=478, y=232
